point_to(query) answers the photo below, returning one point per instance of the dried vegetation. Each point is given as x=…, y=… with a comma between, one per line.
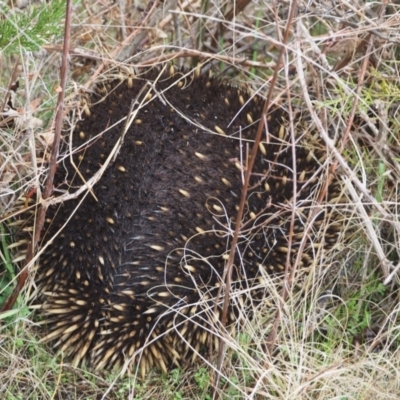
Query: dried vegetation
x=330, y=333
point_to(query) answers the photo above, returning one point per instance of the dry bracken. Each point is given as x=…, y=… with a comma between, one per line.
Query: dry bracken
x=132, y=278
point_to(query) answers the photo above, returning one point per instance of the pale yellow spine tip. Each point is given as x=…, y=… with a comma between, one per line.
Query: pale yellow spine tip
x=219, y=130
x=184, y=193
x=262, y=149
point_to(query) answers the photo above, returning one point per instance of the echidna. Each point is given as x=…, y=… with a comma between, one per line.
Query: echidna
x=132, y=277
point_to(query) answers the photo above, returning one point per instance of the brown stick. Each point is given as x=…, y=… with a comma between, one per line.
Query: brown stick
x=77, y=52
x=260, y=129
x=48, y=190
x=288, y=283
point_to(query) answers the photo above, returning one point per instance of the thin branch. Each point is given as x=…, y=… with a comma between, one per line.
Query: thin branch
x=48, y=190
x=262, y=124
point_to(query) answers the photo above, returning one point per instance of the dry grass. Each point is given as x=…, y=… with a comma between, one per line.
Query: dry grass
x=334, y=334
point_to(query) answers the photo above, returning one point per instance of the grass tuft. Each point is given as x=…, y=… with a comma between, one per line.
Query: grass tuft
x=29, y=29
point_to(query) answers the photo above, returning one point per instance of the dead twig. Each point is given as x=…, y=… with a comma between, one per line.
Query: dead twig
x=48, y=190
x=261, y=126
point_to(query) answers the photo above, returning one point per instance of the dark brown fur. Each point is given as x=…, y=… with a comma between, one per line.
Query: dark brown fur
x=138, y=270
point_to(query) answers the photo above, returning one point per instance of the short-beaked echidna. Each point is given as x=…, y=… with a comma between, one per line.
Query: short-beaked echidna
x=132, y=277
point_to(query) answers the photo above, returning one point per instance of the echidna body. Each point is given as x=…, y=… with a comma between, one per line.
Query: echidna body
x=133, y=276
